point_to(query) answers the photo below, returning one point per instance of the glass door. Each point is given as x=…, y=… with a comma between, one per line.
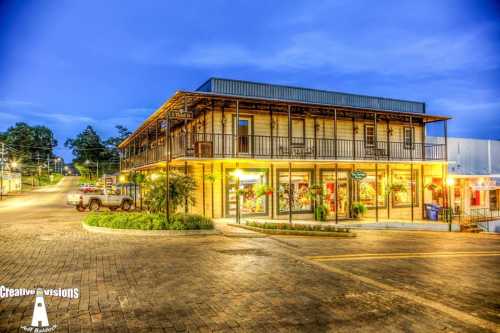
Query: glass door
x=342, y=188
x=252, y=200
x=244, y=131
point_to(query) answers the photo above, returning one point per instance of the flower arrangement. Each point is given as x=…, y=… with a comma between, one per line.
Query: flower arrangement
x=358, y=209
x=262, y=189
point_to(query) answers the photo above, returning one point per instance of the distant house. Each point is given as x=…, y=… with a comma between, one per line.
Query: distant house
x=278, y=152
x=475, y=166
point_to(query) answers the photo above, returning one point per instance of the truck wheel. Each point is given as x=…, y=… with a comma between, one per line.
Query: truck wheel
x=94, y=206
x=126, y=205
x=112, y=208
x=80, y=208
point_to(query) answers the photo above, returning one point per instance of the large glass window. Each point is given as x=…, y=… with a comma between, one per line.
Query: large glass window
x=342, y=188
x=408, y=137
x=252, y=200
x=401, y=188
x=301, y=199
x=368, y=194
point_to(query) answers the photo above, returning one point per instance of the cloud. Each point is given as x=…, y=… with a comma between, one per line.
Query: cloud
x=18, y=110
x=390, y=53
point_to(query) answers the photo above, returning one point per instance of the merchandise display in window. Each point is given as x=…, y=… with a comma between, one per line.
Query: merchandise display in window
x=301, y=198
x=251, y=202
x=401, y=188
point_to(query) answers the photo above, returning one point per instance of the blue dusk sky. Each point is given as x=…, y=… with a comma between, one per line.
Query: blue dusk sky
x=69, y=64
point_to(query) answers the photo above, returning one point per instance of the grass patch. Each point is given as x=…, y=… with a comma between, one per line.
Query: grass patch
x=43, y=180
x=148, y=221
x=297, y=227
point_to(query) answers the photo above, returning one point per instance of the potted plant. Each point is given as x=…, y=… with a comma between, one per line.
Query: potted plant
x=210, y=178
x=358, y=209
x=262, y=189
x=320, y=213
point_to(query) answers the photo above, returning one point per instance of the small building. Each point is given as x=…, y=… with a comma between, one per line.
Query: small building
x=10, y=181
x=474, y=166
x=294, y=149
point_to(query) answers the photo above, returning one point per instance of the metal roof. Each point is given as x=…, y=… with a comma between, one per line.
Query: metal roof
x=307, y=95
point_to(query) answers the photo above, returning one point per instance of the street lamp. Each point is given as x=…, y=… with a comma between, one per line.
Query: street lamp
x=238, y=174
x=450, y=182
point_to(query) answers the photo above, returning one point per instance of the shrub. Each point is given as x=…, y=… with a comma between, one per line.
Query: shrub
x=358, y=209
x=148, y=221
x=296, y=226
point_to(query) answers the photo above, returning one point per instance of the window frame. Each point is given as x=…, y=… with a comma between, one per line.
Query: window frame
x=373, y=136
x=410, y=144
x=279, y=172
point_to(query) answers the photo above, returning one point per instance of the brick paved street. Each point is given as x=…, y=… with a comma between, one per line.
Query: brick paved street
x=217, y=283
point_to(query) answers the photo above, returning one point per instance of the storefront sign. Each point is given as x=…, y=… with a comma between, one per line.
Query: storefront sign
x=358, y=175
x=180, y=114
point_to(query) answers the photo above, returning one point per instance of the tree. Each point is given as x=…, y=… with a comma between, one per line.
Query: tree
x=89, y=146
x=29, y=145
x=180, y=190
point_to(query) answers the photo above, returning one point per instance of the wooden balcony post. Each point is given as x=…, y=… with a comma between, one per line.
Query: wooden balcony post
x=185, y=129
x=411, y=138
x=290, y=191
x=335, y=134
x=336, y=193
x=376, y=189
x=445, y=128
x=315, y=139
x=389, y=133
x=376, y=140
x=353, y=138
x=423, y=141
x=223, y=123
x=237, y=128
x=167, y=152
x=271, y=129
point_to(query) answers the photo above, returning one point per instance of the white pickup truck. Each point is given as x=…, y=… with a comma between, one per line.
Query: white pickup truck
x=96, y=199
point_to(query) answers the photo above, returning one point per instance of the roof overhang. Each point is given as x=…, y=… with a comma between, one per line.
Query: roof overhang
x=178, y=100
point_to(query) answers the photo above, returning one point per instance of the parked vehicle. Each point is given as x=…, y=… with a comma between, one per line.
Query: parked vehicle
x=94, y=200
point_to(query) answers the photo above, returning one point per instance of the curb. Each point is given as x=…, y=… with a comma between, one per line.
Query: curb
x=135, y=232
x=297, y=232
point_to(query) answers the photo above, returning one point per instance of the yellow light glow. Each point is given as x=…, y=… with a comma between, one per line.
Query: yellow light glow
x=122, y=179
x=154, y=176
x=238, y=173
x=13, y=164
x=450, y=181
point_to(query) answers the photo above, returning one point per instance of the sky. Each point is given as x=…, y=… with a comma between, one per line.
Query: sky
x=69, y=64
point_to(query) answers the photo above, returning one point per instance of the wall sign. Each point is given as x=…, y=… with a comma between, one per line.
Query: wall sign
x=358, y=175
x=180, y=114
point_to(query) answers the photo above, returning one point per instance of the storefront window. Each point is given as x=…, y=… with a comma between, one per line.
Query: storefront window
x=301, y=200
x=401, y=188
x=367, y=192
x=328, y=179
x=251, y=201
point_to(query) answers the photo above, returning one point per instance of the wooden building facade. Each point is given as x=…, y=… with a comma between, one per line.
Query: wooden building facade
x=286, y=144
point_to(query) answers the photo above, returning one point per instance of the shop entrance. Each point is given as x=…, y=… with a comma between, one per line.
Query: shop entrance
x=342, y=188
x=252, y=199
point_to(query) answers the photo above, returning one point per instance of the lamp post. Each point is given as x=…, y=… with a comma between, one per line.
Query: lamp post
x=449, y=184
x=237, y=174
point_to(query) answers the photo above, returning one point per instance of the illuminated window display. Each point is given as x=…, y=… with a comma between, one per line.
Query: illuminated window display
x=328, y=181
x=400, y=188
x=301, y=199
x=366, y=189
x=251, y=201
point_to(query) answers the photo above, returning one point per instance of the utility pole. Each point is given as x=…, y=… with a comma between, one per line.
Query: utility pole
x=1, y=172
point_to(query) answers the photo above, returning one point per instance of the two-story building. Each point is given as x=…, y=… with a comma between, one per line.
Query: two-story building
x=289, y=150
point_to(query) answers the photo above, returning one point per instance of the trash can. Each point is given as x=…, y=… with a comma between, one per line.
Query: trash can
x=432, y=212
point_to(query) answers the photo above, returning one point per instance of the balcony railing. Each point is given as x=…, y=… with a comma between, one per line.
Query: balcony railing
x=207, y=145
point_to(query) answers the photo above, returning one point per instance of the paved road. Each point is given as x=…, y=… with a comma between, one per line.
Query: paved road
x=377, y=282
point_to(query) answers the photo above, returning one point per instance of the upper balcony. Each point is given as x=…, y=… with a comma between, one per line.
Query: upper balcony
x=229, y=146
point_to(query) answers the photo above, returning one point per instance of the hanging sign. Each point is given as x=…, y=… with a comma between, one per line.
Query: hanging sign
x=180, y=114
x=358, y=175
